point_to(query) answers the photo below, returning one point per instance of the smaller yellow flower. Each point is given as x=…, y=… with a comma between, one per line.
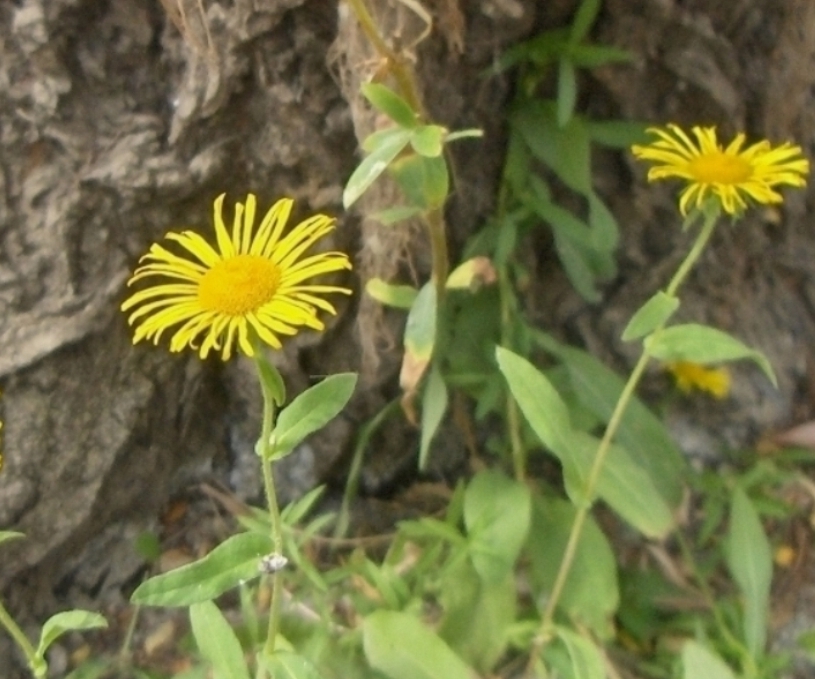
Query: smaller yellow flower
x=785, y=556
x=731, y=174
x=690, y=376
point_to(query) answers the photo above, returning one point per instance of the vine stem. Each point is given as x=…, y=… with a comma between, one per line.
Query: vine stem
x=710, y=217
x=265, y=453
x=20, y=638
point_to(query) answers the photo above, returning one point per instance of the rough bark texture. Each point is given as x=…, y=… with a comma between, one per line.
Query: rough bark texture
x=116, y=126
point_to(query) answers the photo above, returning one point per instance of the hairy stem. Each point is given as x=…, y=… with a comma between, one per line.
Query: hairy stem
x=265, y=452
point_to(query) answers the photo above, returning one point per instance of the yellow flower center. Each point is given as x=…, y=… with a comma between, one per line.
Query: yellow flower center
x=720, y=168
x=239, y=285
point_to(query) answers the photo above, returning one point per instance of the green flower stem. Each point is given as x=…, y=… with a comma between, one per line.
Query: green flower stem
x=20, y=638
x=545, y=630
x=265, y=452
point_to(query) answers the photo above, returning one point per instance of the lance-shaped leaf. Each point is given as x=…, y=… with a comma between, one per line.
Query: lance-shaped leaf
x=389, y=144
x=434, y=405
x=472, y=274
x=497, y=516
x=68, y=621
x=217, y=642
x=420, y=337
x=591, y=593
x=232, y=562
x=749, y=560
x=650, y=316
x=424, y=181
x=390, y=103
x=310, y=411
x=401, y=647
x=397, y=296
x=701, y=344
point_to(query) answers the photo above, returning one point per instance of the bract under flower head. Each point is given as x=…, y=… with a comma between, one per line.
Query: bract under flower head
x=253, y=286
x=732, y=175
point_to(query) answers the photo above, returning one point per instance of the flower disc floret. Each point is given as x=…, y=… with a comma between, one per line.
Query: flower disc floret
x=252, y=286
x=733, y=175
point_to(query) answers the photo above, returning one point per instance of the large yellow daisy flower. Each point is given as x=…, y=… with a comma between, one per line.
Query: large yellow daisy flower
x=730, y=174
x=252, y=286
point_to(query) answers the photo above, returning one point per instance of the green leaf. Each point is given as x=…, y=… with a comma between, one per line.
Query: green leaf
x=497, y=516
x=700, y=663
x=564, y=149
x=233, y=561
x=583, y=20
x=471, y=274
x=424, y=181
x=434, y=405
x=701, y=344
x=641, y=433
x=68, y=621
x=311, y=411
x=749, y=560
x=388, y=147
x=10, y=535
x=287, y=665
x=585, y=658
x=390, y=103
x=592, y=56
x=401, y=647
x=427, y=140
x=540, y=403
x=591, y=594
x=217, y=642
x=617, y=134
x=605, y=234
x=622, y=483
x=650, y=316
x=420, y=338
x=272, y=380
x=392, y=215
x=625, y=486
x=477, y=615
x=397, y=296
x=566, y=91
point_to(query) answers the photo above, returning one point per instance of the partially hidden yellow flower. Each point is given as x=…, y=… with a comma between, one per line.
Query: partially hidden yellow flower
x=252, y=286
x=732, y=174
x=690, y=376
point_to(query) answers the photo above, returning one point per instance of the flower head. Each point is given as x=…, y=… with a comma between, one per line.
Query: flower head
x=253, y=285
x=690, y=376
x=732, y=175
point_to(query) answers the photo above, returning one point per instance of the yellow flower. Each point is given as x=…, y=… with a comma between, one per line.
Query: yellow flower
x=690, y=376
x=252, y=286
x=731, y=174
